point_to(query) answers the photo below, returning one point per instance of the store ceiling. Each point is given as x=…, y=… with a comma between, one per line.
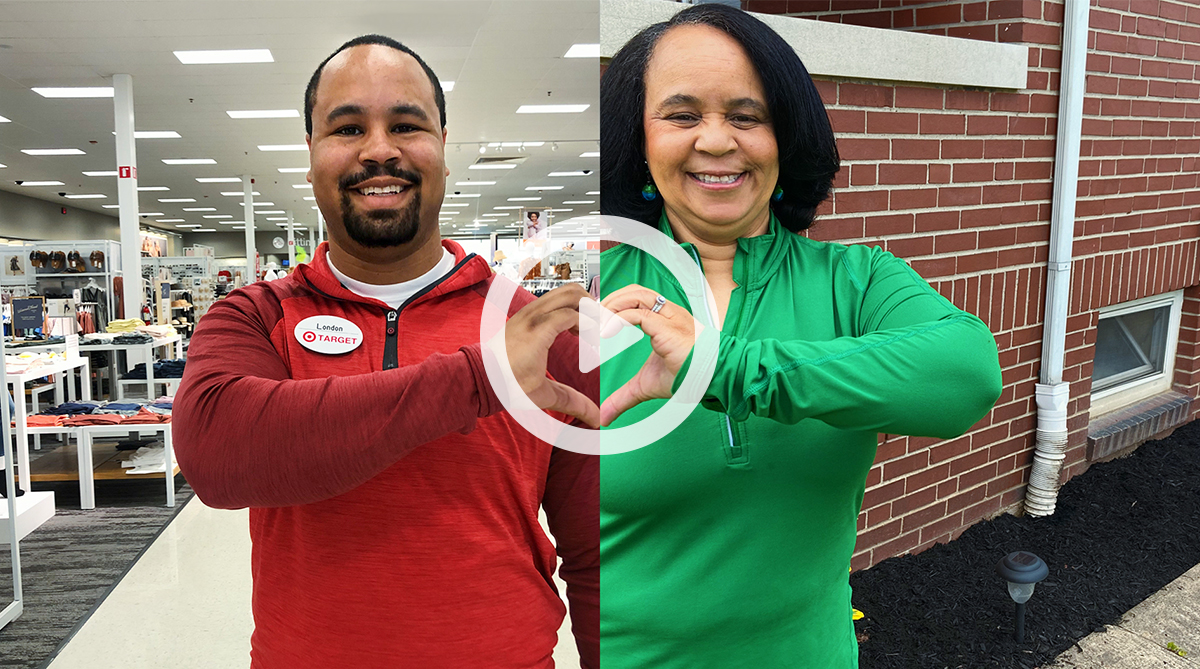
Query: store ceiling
x=500, y=54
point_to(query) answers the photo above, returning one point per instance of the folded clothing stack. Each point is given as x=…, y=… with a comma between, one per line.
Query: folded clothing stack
x=123, y=407
x=124, y=325
x=44, y=342
x=133, y=338
x=142, y=416
x=71, y=409
x=158, y=331
x=94, y=419
x=146, y=460
x=163, y=369
x=147, y=417
x=75, y=414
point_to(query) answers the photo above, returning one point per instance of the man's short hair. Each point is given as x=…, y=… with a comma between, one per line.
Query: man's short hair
x=310, y=93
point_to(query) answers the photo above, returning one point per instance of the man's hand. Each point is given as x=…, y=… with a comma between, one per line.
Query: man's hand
x=530, y=333
x=673, y=332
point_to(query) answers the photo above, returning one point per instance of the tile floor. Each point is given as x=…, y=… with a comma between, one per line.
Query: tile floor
x=186, y=603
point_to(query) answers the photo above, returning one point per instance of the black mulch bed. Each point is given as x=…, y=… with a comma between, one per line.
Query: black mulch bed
x=1121, y=531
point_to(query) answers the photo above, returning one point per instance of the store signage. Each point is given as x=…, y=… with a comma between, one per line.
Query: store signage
x=328, y=334
x=126, y=172
x=28, y=312
x=72, y=342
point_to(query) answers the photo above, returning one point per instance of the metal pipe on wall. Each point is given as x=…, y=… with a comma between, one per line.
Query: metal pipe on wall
x=1052, y=392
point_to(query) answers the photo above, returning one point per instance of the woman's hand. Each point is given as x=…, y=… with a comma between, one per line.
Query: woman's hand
x=672, y=331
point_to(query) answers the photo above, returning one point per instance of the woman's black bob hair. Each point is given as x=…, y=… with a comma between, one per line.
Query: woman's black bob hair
x=808, y=156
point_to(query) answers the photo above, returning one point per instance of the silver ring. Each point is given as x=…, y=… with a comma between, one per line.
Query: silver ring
x=658, y=304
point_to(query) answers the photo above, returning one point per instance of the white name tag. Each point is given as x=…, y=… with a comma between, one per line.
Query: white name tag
x=328, y=334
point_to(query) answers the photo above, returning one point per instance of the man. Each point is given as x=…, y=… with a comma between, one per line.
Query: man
x=393, y=503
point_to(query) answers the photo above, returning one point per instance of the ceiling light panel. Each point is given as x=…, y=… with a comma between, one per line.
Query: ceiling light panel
x=112, y=173
x=551, y=109
x=474, y=183
x=53, y=152
x=76, y=92
x=225, y=56
x=293, y=170
x=282, y=147
x=177, y=199
x=574, y=173
x=237, y=193
x=41, y=183
x=264, y=113
x=85, y=196
x=583, y=51
x=218, y=180
x=189, y=161
x=199, y=208
x=152, y=188
x=155, y=134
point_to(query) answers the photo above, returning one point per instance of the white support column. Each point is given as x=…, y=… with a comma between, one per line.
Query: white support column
x=251, y=274
x=127, y=195
x=320, y=228
x=291, y=244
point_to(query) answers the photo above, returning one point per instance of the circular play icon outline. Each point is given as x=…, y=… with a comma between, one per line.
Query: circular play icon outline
x=667, y=417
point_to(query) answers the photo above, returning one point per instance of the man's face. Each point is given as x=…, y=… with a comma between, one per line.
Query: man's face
x=377, y=150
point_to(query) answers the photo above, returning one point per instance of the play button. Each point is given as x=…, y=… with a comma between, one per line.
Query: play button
x=595, y=322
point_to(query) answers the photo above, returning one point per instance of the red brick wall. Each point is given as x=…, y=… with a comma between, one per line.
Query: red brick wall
x=958, y=182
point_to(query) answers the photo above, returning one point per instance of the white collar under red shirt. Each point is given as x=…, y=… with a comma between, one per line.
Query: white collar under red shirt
x=395, y=294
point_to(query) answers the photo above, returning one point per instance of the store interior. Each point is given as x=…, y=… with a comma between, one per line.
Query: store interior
x=91, y=374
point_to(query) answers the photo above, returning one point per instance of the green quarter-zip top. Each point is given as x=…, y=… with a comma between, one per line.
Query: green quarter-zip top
x=727, y=543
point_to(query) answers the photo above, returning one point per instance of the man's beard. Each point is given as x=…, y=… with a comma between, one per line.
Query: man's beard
x=380, y=228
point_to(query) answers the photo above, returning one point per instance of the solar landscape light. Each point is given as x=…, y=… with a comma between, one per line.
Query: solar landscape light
x=1023, y=571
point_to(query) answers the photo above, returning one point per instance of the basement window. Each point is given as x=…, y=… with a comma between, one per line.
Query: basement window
x=1135, y=351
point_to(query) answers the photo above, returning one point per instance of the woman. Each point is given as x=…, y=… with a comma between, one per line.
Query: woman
x=727, y=544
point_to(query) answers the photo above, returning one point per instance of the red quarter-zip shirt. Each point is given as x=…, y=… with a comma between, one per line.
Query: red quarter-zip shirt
x=394, y=504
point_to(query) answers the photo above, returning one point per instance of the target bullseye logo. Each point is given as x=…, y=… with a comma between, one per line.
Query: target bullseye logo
x=310, y=337
x=667, y=417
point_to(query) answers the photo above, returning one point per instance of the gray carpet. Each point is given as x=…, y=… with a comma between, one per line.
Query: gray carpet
x=69, y=564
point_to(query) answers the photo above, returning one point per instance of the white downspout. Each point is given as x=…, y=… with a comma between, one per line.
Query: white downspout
x=1052, y=393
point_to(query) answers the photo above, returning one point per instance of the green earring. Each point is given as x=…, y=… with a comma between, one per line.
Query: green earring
x=649, y=191
x=778, y=194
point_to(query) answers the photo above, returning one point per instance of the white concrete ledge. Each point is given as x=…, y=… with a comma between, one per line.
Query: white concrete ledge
x=853, y=52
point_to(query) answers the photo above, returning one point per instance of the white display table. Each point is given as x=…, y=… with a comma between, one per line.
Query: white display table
x=117, y=387
x=33, y=509
x=16, y=383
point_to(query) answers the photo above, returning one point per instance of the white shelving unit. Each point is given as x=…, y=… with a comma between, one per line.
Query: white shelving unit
x=65, y=282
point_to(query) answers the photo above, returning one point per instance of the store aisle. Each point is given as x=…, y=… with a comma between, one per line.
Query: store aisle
x=186, y=603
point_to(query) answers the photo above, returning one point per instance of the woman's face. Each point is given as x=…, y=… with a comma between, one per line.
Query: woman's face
x=710, y=142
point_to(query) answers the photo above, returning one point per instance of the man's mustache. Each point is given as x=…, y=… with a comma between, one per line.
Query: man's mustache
x=352, y=180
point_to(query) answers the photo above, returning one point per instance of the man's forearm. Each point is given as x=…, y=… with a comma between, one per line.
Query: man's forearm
x=267, y=440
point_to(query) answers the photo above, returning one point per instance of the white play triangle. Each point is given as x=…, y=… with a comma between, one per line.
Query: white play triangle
x=594, y=318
